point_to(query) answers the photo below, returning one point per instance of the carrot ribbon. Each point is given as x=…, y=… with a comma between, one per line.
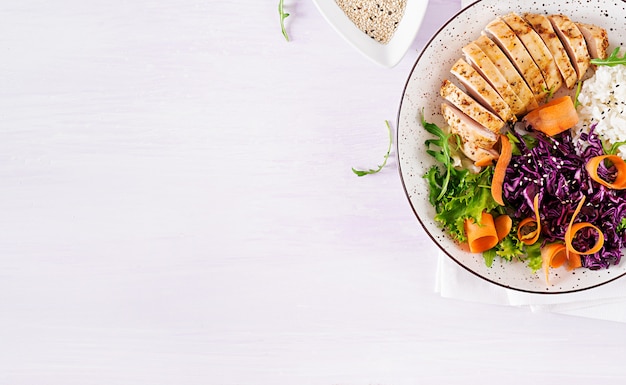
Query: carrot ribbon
x=503, y=224
x=573, y=228
x=481, y=236
x=531, y=236
x=556, y=255
x=619, y=183
x=499, y=172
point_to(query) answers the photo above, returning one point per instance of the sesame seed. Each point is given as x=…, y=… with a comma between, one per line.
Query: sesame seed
x=377, y=18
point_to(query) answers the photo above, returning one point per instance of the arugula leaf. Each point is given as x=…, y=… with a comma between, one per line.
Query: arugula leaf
x=530, y=141
x=283, y=15
x=549, y=91
x=612, y=60
x=578, y=88
x=613, y=149
x=443, y=156
x=380, y=167
x=514, y=141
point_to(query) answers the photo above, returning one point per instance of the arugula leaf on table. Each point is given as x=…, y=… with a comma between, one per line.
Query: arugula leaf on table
x=283, y=15
x=612, y=60
x=380, y=167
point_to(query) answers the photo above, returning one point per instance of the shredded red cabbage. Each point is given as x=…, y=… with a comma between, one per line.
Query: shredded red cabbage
x=554, y=168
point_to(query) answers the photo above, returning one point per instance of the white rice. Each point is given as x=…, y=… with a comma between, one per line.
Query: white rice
x=603, y=101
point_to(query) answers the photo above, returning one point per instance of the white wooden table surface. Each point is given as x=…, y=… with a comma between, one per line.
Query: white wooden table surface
x=177, y=207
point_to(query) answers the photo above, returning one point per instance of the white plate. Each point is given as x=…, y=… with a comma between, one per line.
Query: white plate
x=387, y=55
x=422, y=92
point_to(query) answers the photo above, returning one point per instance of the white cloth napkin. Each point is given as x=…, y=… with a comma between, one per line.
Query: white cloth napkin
x=607, y=302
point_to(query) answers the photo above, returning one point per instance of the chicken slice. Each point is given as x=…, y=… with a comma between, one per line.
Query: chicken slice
x=506, y=68
x=467, y=129
x=476, y=153
x=573, y=41
x=488, y=70
x=477, y=87
x=597, y=40
x=544, y=28
x=537, y=50
x=453, y=94
x=515, y=50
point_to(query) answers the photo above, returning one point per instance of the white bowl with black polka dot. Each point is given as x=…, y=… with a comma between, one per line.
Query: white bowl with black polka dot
x=422, y=93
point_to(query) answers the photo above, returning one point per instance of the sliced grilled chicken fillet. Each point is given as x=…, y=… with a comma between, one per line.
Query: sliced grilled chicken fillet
x=453, y=94
x=543, y=27
x=508, y=70
x=537, y=49
x=481, y=63
x=573, y=41
x=597, y=40
x=515, y=50
x=481, y=90
x=466, y=128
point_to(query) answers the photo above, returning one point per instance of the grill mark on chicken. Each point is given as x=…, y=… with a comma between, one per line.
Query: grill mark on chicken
x=573, y=41
x=475, y=153
x=488, y=70
x=453, y=94
x=467, y=129
x=537, y=50
x=508, y=70
x=481, y=90
x=515, y=50
x=544, y=28
x=597, y=40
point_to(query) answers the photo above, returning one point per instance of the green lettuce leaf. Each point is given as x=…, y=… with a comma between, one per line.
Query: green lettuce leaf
x=533, y=256
x=510, y=248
